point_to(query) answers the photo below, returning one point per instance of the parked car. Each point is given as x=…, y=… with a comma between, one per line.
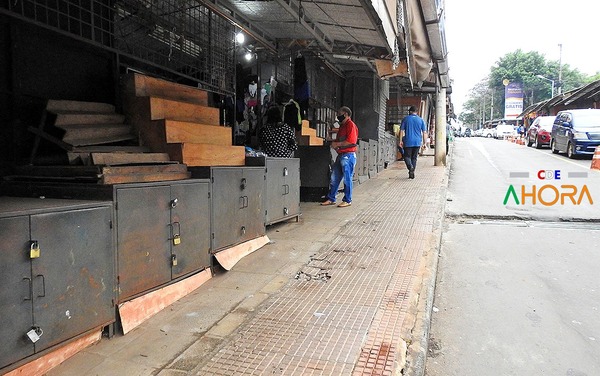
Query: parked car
x=540, y=132
x=504, y=130
x=576, y=132
x=487, y=132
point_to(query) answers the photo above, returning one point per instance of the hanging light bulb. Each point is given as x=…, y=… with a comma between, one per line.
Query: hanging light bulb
x=248, y=56
x=239, y=38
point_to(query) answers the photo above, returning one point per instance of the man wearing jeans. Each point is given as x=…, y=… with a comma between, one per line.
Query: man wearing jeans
x=343, y=168
x=413, y=135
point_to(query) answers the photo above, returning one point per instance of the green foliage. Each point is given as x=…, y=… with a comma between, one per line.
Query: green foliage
x=524, y=67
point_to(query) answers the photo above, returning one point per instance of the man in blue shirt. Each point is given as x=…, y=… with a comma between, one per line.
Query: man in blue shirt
x=413, y=134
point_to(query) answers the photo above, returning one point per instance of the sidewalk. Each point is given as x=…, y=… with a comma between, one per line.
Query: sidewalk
x=344, y=291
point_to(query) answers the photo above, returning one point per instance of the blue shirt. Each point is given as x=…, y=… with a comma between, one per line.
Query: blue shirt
x=413, y=127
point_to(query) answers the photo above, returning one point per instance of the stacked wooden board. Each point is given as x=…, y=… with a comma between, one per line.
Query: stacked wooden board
x=176, y=119
x=307, y=136
x=92, y=135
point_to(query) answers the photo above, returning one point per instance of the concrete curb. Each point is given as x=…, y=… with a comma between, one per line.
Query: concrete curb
x=417, y=351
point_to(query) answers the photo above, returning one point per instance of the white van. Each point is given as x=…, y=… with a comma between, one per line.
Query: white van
x=504, y=130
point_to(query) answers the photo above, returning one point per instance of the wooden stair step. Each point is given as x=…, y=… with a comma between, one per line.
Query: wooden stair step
x=113, y=159
x=308, y=132
x=135, y=174
x=146, y=86
x=73, y=118
x=183, y=132
x=59, y=106
x=196, y=155
x=309, y=140
x=173, y=110
x=100, y=140
x=83, y=131
x=112, y=148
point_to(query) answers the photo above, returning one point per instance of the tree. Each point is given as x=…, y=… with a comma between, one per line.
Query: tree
x=521, y=67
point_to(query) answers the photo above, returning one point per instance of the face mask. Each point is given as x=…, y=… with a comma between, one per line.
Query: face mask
x=341, y=118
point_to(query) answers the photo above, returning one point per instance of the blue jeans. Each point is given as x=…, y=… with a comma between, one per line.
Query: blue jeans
x=343, y=168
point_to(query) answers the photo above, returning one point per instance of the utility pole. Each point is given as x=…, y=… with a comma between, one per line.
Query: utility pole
x=492, y=106
x=560, y=69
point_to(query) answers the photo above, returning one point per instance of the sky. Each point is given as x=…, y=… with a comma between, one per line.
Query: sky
x=480, y=32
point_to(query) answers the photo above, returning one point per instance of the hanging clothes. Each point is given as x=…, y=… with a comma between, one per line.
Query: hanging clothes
x=301, y=88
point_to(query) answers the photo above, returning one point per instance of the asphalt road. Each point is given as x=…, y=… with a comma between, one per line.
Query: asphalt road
x=518, y=288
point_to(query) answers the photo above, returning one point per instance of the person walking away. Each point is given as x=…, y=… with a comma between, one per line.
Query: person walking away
x=413, y=132
x=343, y=168
x=277, y=139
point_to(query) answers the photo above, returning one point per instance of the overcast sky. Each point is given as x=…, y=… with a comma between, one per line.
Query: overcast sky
x=480, y=32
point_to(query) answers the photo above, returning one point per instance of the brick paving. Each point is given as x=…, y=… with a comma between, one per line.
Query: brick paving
x=345, y=310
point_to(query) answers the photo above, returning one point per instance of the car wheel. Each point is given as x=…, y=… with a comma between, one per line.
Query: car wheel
x=553, y=147
x=529, y=142
x=571, y=151
x=537, y=144
x=488, y=135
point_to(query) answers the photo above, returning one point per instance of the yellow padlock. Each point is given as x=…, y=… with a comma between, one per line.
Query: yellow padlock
x=176, y=240
x=34, y=250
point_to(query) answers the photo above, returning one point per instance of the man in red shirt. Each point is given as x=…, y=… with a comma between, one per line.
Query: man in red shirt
x=343, y=168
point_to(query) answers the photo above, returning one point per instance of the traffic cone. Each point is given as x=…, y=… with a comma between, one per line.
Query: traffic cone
x=596, y=159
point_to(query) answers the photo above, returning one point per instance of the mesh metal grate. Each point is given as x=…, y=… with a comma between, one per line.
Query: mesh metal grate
x=180, y=36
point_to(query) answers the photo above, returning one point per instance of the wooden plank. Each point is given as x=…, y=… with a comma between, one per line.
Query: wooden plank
x=146, y=86
x=87, y=118
x=133, y=174
x=83, y=131
x=308, y=132
x=182, y=132
x=111, y=148
x=128, y=158
x=144, y=178
x=173, y=110
x=101, y=140
x=50, y=138
x=228, y=257
x=52, y=359
x=138, y=310
x=58, y=106
x=305, y=124
x=210, y=155
x=309, y=141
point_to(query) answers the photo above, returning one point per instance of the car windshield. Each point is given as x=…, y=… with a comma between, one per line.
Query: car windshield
x=546, y=127
x=587, y=120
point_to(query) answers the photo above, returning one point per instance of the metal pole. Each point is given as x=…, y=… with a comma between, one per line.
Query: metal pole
x=559, y=69
x=492, y=106
x=440, y=128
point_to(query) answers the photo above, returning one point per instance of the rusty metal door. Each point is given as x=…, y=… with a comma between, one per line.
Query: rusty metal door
x=227, y=202
x=190, y=226
x=253, y=212
x=15, y=295
x=73, y=277
x=143, y=238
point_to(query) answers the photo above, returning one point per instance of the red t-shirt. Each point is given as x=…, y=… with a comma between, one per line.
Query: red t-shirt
x=348, y=132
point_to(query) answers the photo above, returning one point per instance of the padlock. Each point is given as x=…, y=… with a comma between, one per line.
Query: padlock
x=34, y=249
x=176, y=240
x=34, y=334
x=174, y=260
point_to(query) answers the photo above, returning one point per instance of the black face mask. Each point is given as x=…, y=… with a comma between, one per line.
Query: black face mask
x=341, y=118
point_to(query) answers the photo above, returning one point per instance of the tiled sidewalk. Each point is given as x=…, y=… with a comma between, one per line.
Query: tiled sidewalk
x=334, y=294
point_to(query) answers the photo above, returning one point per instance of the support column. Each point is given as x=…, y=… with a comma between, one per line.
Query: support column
x=440, y=128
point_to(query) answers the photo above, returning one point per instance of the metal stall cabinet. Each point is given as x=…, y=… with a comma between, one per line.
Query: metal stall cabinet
x=282, y=188
x=162, y=228
x=57, y=277
x=163, y=233
x=362, y=161
x=237, y=213
x=373, y=149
